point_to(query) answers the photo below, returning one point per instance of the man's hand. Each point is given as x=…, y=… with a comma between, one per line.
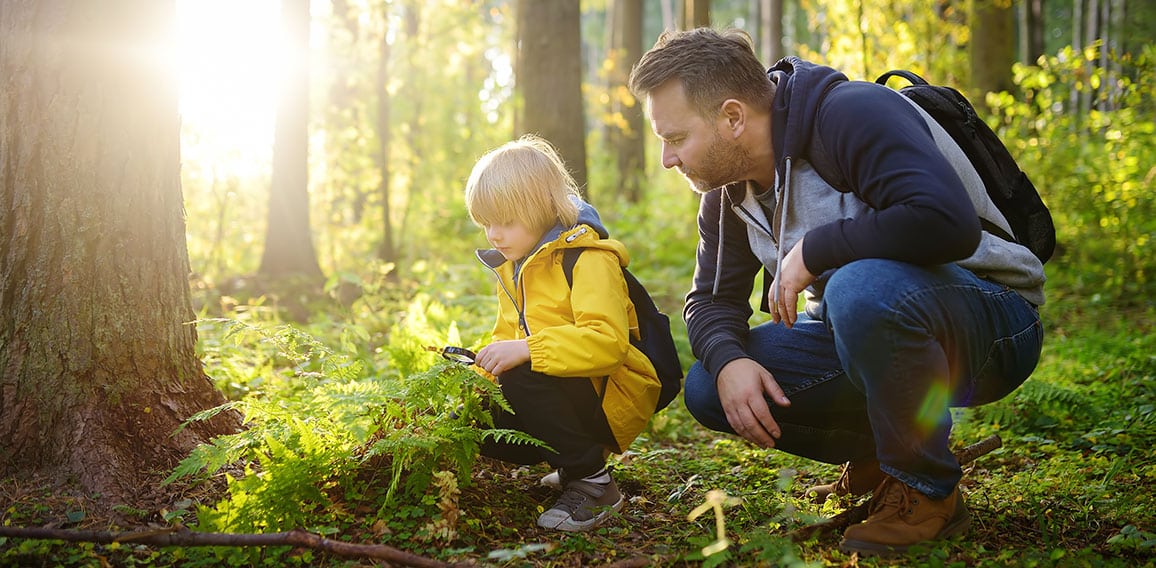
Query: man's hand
x=743, y=385
x=501, y=356
x=792, y=279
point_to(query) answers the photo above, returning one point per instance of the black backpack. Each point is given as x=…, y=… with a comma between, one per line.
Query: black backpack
x=656, y=341
x=1006, y=184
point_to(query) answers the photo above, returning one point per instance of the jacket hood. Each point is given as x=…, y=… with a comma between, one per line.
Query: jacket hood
x=801, y=86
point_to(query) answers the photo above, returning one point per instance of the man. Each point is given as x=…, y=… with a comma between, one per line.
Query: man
x=835, y=189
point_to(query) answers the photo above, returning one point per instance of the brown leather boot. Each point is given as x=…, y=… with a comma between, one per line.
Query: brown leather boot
x=856, y=478
x=901, y=516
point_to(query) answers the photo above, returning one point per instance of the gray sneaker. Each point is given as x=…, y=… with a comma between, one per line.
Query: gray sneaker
x=582, y=506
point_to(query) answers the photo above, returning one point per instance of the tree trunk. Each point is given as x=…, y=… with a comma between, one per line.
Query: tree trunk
x=1031, y=31
x=992, y=48
x=771, y=26
x=630, y=141
x=288, y=239
x=387, y=251
x=97, y=361
x=697, y=13
x=550, y=78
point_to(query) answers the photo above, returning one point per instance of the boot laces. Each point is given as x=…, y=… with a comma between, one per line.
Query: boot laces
x=893, y=493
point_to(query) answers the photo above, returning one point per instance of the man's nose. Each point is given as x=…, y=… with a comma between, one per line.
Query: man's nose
x=669, y=158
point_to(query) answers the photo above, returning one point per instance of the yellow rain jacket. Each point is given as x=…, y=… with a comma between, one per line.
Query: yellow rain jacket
x=580, y=331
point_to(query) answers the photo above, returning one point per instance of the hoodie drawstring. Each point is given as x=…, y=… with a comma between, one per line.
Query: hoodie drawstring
x=782, y=227
x=722, y=209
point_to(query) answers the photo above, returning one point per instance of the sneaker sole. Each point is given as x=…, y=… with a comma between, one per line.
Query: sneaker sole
x=875, y=549
x=568, y=524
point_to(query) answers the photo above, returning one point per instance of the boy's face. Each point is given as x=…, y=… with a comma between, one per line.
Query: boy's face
x=514, y=240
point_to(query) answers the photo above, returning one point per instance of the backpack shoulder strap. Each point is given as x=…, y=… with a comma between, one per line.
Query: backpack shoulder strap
x=569, y=259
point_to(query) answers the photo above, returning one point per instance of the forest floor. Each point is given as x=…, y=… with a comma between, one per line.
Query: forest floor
x=1074, y=484
x=1024, y=513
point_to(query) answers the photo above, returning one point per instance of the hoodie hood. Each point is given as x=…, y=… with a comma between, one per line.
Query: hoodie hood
x=801, y=86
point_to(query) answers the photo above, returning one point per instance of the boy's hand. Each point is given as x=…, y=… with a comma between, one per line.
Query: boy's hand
x=501, y=356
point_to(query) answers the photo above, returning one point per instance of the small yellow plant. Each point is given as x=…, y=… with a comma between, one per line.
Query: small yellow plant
x=715, y=499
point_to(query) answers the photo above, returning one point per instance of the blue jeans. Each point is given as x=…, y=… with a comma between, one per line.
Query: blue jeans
x=895, y=346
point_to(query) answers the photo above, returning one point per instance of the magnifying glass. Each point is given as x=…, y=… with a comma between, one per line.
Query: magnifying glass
x=455, y=354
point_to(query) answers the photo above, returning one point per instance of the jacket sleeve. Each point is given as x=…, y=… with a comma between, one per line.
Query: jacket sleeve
x=596, y=344
x=920, y=211
x=717, y=324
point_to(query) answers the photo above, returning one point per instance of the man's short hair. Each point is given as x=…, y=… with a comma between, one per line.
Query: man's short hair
x=713, y=66
x=523, y=180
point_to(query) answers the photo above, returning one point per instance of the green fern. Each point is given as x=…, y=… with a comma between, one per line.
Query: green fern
x=324, y=426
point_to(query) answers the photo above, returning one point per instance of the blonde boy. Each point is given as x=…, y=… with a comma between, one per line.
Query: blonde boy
x=561, y=352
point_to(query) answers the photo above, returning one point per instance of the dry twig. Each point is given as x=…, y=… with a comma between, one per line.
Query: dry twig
x=185, y=537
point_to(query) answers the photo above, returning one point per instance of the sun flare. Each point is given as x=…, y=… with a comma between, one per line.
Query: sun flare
x=229, y=56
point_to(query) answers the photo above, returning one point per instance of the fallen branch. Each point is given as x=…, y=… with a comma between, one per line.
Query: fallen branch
x=858, y=513
x=185, y=537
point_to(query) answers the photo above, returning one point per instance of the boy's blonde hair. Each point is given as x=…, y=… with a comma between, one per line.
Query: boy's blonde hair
x=523, y=180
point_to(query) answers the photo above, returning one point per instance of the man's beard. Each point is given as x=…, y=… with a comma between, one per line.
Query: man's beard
x=725, y=162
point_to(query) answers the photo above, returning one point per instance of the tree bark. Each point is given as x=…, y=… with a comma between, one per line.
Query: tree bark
x=550, y=78
x=1031, y=31
x=97, y=361
x=387, y=251
x=991, y=47
x=697, y=13
x=288, y=239
x=630, y=142
x=771, y=26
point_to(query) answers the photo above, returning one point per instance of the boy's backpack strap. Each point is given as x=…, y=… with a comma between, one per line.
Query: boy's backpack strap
x=655, y=339
x=569, y=259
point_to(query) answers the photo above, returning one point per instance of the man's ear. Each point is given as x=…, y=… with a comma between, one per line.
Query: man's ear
x=734, y=113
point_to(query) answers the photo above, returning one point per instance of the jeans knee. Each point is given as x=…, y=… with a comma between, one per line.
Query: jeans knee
x=864, y=290
x=701, y=399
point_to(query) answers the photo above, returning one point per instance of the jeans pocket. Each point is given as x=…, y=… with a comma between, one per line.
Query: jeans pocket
x=1010, y=362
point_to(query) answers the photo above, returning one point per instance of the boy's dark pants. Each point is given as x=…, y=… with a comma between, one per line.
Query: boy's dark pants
x=565, y=413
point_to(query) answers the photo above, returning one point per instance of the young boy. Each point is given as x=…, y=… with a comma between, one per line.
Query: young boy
x=561, y=352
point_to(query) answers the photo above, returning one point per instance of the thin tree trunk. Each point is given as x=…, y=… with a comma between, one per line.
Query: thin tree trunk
x=288, y=239
x=98, y=367
x=697, y=13
x=387, y=251
x=631, y=144
x=771, y=24
x=991, y=47
x=1031, y=31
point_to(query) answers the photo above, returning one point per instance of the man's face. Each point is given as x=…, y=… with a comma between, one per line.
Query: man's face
x=701, y=149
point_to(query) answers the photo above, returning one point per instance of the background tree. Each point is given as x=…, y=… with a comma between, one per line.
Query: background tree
x=97, y=357
x=549, y=79
x=288, y=238
x=1031, y=31
x=695, y=14
x=628, y=123
x=992, y=47
x=771, y=30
